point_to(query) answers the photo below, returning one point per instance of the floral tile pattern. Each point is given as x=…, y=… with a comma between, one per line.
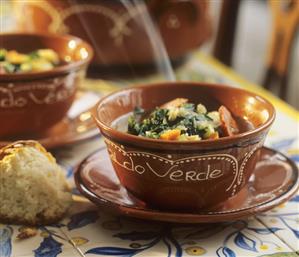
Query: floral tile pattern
x=286, y=218
x=240, y=237
x=48, y=240
x=89, y=231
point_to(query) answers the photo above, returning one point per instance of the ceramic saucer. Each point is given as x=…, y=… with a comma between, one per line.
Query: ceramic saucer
x=78, y=125
x=274, y=181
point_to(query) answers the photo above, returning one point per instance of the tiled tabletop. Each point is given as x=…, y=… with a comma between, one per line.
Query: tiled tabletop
x=89, y=231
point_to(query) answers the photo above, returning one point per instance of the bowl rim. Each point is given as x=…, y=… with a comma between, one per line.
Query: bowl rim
x=125, y=137
x=62, y=69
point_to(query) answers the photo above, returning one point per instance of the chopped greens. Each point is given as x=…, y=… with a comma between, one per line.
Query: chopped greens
x=186, y=122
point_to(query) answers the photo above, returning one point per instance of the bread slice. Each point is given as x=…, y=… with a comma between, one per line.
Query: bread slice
x=33, y=188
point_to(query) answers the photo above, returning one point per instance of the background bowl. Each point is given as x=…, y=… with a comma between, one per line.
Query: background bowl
x=122, y=39
x=33, y=102
x=184, y=175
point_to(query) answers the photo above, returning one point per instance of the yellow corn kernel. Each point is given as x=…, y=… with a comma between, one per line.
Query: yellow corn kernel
x=49, y=55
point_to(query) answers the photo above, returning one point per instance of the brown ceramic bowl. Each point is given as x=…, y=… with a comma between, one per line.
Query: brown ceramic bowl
x=184, y=176
x=33, y=102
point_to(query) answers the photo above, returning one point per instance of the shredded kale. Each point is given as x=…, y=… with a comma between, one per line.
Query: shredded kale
x=191, y=124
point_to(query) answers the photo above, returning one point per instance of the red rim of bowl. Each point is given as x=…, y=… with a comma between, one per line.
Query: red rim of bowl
x=115, y=134
x=65, y=68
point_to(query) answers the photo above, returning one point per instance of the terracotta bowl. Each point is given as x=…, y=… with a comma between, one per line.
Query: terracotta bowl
x=33, y=102
x=184, y=176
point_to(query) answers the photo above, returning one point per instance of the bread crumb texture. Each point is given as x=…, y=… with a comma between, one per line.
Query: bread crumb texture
x=33, y=188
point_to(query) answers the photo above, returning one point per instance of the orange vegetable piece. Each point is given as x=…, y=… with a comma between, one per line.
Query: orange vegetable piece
x=171, y=134
x=214, y=135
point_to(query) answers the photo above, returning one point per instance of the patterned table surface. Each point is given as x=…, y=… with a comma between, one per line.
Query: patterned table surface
x=89, y=231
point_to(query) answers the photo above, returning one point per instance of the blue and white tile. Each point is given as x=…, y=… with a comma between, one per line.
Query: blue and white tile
x=47, y=240
x=240, y=238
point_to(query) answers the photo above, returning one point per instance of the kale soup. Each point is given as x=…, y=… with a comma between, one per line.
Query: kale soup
x=182, y=121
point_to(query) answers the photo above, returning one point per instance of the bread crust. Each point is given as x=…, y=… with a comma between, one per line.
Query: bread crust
x=38, y=222
x=10, y=216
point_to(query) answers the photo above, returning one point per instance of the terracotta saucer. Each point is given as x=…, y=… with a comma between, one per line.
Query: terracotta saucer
x=274, y=181
x=77, y=126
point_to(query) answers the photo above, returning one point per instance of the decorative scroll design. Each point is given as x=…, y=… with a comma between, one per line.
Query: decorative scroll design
x=19, y=96
x=173, y=169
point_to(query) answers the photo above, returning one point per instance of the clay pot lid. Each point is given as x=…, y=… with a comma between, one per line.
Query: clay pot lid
x=274, y=181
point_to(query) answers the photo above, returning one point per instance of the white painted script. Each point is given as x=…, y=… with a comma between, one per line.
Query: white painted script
x=12, y=96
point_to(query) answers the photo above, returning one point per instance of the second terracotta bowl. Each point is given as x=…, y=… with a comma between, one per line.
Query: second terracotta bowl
x=33, y=102
x=184, y=176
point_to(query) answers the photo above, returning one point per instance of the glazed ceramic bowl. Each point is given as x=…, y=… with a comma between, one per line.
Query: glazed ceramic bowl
x=184, y=176
x=33, y=102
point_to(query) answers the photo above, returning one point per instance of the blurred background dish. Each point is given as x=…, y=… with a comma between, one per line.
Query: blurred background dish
x=257, y=38
x=115, y=28
x=77, y=125
x=33, y=102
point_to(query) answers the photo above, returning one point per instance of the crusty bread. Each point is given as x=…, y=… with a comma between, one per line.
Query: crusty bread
x=33, y=188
